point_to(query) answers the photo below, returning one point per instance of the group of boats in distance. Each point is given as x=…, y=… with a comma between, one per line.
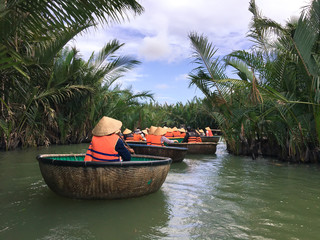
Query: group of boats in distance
x=70, y=176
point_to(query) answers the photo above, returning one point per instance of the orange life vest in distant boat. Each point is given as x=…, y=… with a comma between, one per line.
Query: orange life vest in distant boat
x=192, y=137
x=156, y=140
x=209, y=133
x=169, y=134
x=149, y=138
x=182, y=134
x=176, y=134
x=128, y=137
x=137, y=137
x=199, y=139
x=102, y=149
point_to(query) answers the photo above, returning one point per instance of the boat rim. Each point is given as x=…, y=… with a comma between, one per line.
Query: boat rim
x=164, y=147
x=45, y=158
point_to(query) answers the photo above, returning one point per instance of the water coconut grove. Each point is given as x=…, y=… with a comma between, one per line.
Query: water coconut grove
x=50, y=95
x=58, y=107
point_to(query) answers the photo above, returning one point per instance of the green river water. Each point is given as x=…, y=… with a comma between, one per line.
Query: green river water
x=205, y=197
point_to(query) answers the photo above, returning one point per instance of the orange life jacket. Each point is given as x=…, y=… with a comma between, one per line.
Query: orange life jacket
x=199, y=139
x=128, y=137
x=183, y=134
x=102, y=149
x=149, y=138
x=209, y=133
x=192, y=137
x=168, y=134
x=137, y=137
x=156, y=140
x=176, y=134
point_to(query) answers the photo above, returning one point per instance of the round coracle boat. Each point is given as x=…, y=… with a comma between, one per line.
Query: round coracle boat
x=198, y=147
x=210, y=139
x=177, y=154
x=137, y=142
x=70, y=176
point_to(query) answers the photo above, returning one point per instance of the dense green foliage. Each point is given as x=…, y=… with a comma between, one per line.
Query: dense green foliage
x=273, y=108
x=40, y=86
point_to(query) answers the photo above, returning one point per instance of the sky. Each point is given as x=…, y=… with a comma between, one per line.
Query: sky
x=158, y=38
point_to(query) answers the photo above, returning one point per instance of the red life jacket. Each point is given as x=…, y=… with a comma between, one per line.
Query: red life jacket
x=156, y=140
x=199, y=139
x=102, y=149
x=182, y=134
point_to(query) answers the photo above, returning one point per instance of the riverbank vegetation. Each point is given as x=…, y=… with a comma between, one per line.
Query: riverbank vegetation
x=50, y=95
x=273, y=107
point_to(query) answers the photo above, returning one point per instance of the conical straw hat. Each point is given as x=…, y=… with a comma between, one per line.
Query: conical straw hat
x=169, y=130
x=106, y=126
x=207, y=128
x=145, y=131
x=182, y=130
x=152, y=130
x=175, y=129
x=201, y=131
x=127, y=131
x=160, y=131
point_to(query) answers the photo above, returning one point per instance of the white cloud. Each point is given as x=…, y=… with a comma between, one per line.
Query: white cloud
x=161, y=32
x=162, y=86
x=182, y=77
x=154, y=48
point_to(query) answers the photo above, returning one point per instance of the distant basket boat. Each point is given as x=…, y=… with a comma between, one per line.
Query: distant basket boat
x=177, y=154
x=210, y=139
x=70, y=176
x=198, y=147
x=137, y=142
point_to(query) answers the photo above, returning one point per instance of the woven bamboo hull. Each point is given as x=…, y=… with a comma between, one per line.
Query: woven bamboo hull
x=112, y=180
x=198, y=148
x=177, y=154
x=210, y=139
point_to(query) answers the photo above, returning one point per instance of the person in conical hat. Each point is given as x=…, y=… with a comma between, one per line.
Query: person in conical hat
x=182, y=132
x=176, y=132
x=152, y=130
x=192, y=136
x=208, y=132
x=106, y=145
x=169, y=132
x=137, y=135
x=159, y=137
x=127, y=135
x=201, y=132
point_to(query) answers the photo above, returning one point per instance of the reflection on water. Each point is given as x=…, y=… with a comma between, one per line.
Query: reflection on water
x=205, y=197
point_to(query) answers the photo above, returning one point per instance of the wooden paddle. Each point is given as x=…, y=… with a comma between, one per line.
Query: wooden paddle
x=126, y=145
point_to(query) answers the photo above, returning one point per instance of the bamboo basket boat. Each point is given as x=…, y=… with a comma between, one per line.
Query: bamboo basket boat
x=210, y=139
x=137, y=142
x=198, y=148
x=69, y=175
x=177, y=154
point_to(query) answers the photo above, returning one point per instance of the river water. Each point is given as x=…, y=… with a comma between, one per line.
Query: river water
x=205, y=197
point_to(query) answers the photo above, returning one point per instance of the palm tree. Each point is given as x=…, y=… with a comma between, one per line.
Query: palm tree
x=276, y=98
x=32, y=33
